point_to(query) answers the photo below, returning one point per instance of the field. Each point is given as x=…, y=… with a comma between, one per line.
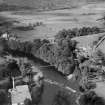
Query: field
x=86, y=41
x=86, y=15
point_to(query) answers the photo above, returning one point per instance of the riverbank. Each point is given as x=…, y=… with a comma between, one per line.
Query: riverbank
x=21, y=48
x=53, y=80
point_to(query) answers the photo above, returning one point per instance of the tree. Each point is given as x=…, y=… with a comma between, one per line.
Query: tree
x=27, y=47
x=36, y=45
x=14, y=68
x=27, y=102
x=61, y=34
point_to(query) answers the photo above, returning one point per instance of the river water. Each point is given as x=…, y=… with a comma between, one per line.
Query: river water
x=53, y=82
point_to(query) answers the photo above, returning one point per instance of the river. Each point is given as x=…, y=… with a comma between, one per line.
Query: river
x=53, y=82
x=53, y=22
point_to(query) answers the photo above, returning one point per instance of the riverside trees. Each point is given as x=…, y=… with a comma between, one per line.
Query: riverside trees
x=75, y=32
x=60, y=54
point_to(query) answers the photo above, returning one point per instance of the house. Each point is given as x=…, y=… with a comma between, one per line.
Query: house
x=5, y=35
x=52, y=40
x=8, y=36
x=19, y=94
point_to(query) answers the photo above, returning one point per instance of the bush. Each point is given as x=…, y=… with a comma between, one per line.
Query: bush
x=27, y=102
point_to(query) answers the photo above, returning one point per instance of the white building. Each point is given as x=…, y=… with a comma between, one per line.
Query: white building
x=52, y=40
x=19, y=94
x=8, y=36
x=5, y=35
x=70, y=76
